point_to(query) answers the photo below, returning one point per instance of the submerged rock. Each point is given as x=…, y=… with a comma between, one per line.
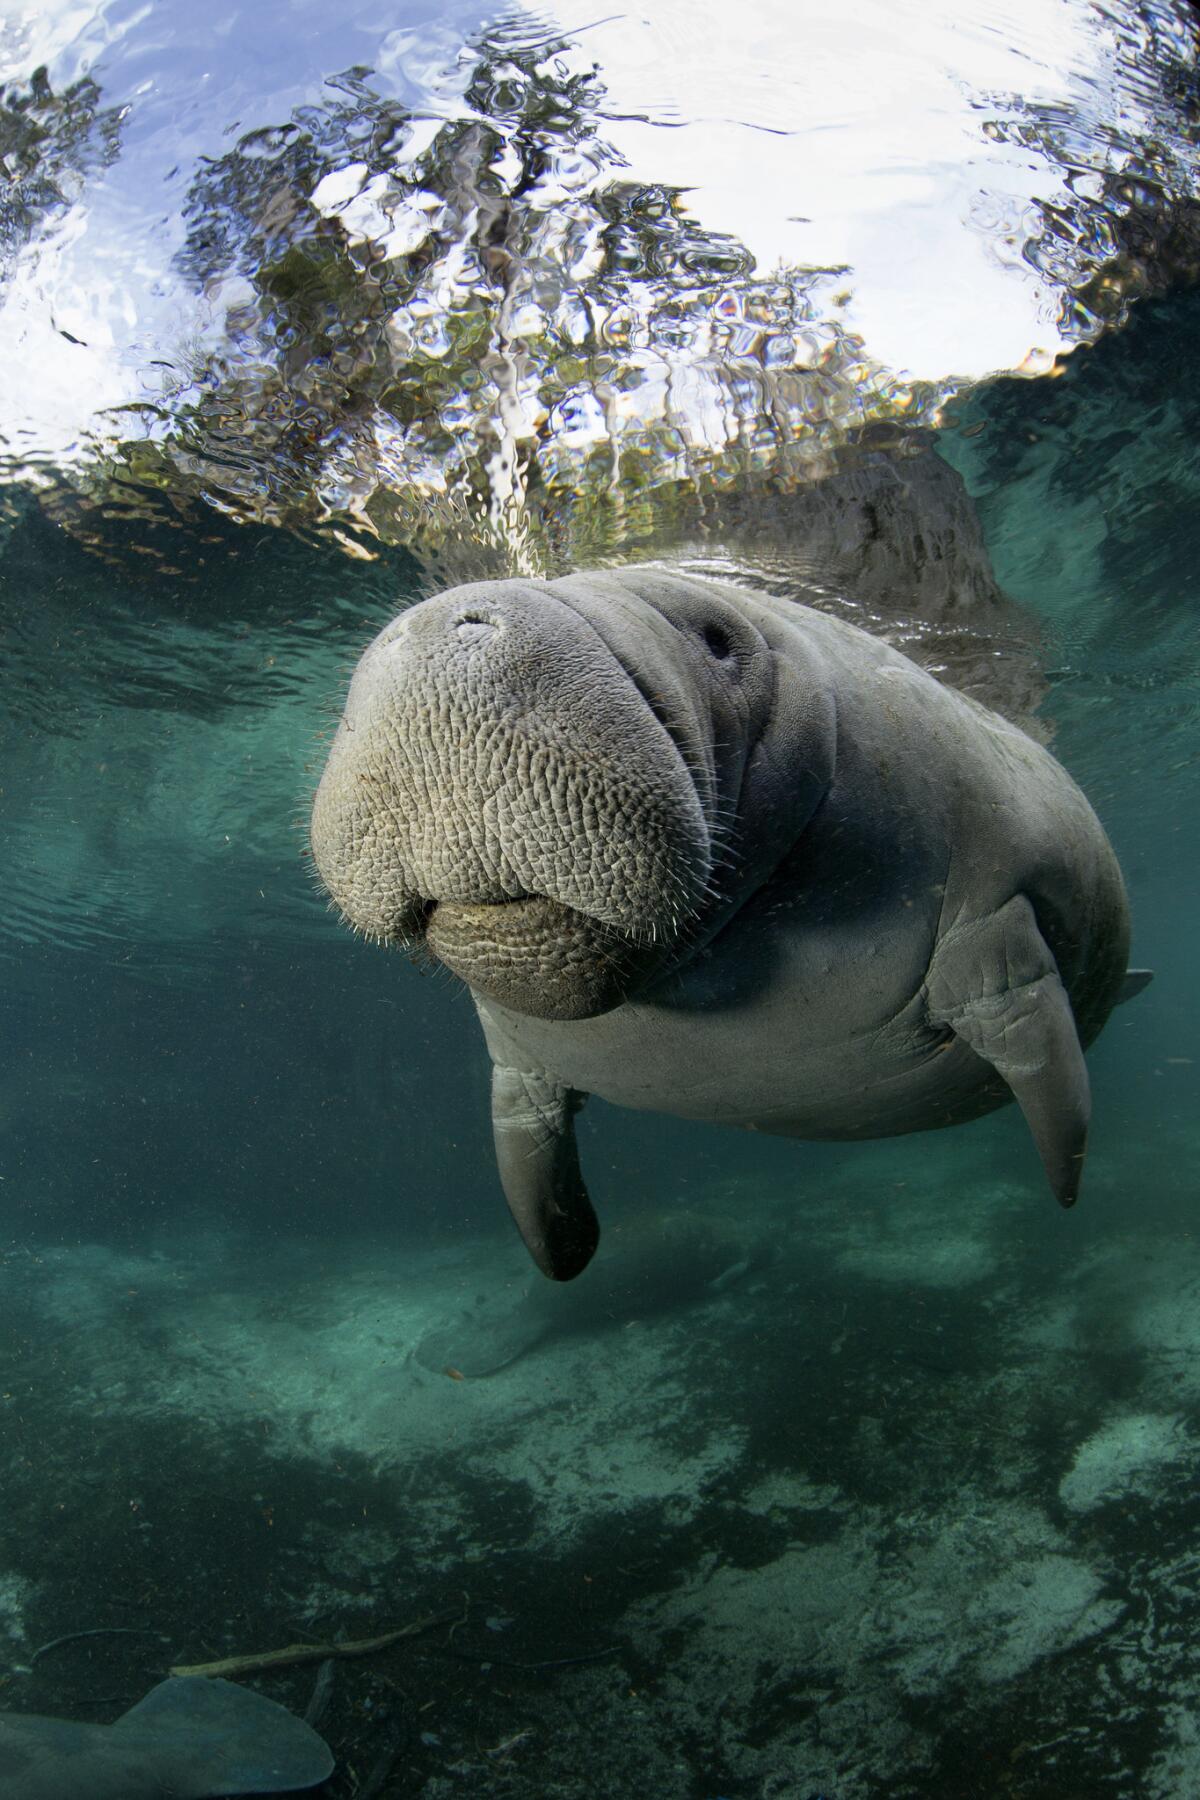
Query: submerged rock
x=1123, y=1457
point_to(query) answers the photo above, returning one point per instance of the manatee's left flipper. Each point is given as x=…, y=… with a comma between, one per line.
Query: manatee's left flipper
x=533, y=1119
x=997, y=986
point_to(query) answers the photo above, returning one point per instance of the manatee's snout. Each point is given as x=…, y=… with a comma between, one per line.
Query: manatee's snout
x=500, y=788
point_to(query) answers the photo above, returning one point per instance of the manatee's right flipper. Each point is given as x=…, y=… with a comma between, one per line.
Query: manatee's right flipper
x=533, y=1120
x=1136, y=982
x=997, y=986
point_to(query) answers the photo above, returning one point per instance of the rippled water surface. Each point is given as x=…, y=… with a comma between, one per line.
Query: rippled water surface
x=853, y=1473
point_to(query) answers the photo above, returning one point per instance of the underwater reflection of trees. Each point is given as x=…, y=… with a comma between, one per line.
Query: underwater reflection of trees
x=473, y=331
x=489, y=322
x=50, y=146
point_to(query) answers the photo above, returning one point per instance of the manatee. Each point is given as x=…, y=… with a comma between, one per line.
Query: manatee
x=704, y=851
x=188, y=1738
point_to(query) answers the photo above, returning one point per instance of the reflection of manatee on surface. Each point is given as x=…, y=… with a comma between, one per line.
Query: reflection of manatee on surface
x=894, y=544
x=711, y=853
x=646, y=1267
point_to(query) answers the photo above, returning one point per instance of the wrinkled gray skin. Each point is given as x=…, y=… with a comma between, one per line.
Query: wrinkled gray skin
x=715, y=854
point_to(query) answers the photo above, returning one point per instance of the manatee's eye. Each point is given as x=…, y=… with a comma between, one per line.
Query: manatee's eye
x=716, y=642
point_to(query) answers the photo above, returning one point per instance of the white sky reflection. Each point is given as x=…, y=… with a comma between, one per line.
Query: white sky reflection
x=851, y=133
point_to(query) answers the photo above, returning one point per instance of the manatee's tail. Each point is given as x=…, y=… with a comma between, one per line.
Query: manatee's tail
x=217, y=1738
x=1135, y=980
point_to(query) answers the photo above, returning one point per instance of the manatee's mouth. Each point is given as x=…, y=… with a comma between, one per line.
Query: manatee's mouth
x=536, y=955
x=533, y=954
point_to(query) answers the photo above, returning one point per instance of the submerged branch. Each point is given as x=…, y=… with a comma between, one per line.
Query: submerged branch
x=293, y=1654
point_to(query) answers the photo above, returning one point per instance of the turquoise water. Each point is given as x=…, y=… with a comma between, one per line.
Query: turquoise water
x=846, y=1471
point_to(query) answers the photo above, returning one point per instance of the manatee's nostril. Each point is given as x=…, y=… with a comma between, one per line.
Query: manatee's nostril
x=475, y=627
